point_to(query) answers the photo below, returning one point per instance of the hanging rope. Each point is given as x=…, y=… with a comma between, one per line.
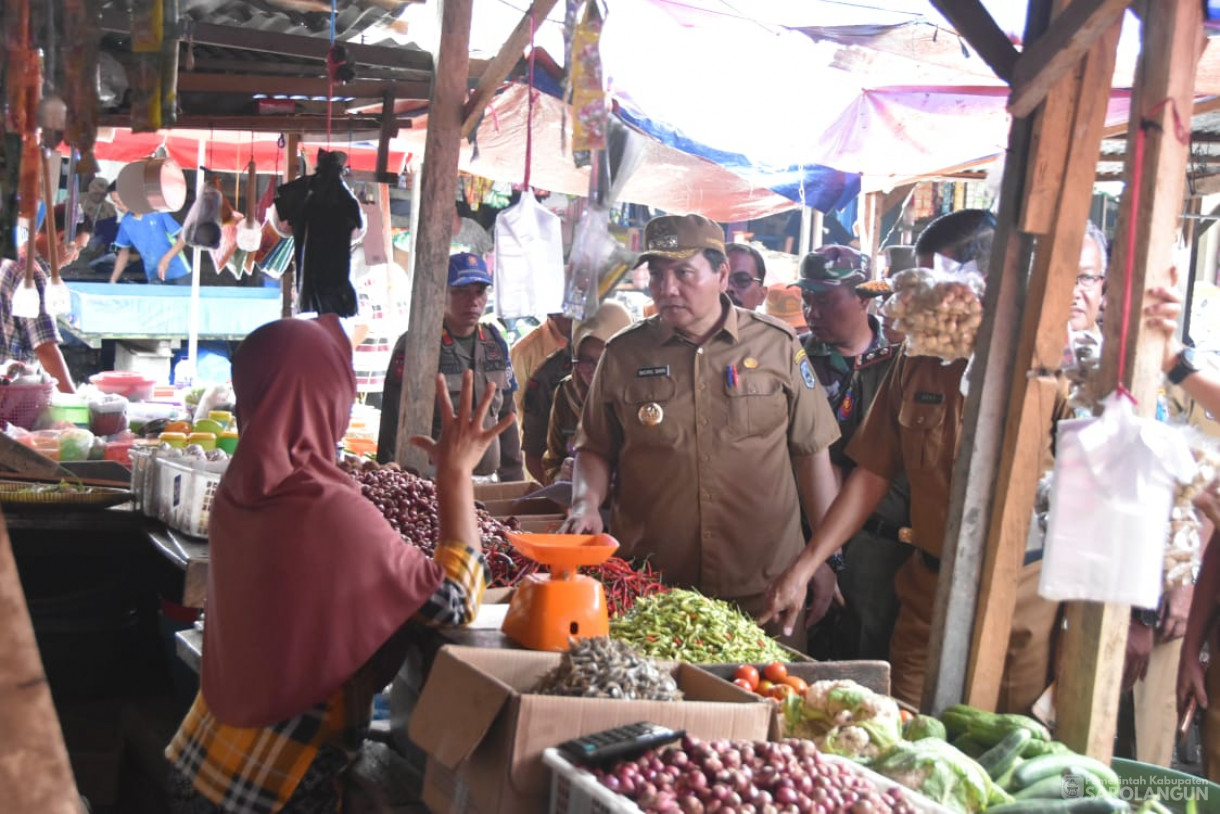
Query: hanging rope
x=529, y=116
x=1137, y=178
x=330, y=74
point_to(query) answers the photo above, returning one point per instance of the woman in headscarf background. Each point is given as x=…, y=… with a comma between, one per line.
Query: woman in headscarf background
x=309, y=586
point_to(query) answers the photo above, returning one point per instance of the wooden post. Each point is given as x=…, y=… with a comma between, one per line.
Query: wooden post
x=288, y=278
x=1070, y=131
x=870, y=225
x=35, y=776
x=435, y=232
x=982, y=426
x=1094, y=644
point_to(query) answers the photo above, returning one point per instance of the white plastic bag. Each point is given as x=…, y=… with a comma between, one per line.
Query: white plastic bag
x=529, y=260
x=1114, y=485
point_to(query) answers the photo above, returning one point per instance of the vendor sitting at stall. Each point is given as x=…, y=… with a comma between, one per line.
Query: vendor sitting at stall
x=310, y=587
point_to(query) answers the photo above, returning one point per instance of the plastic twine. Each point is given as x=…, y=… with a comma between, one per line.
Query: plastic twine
x=529, y=116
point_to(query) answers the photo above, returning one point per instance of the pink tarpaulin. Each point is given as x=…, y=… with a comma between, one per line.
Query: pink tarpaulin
x=667, y=179
x=228, y=150
x=907, y=132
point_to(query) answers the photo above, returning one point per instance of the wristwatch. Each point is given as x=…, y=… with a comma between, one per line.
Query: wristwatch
x=1183, y=366
x=1145, y=616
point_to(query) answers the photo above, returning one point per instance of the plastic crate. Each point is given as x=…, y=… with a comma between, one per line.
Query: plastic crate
x=194, y=510
x=143, y=459
x=21, y=404
x=575, y=791
x=173, y=477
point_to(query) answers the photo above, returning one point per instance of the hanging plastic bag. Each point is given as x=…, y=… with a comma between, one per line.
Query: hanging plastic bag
x=939, y=311
x=1115, y=478
x=529, y=260
x=201, y=228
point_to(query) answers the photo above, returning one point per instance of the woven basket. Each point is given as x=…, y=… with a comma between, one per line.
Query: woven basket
x=21, y=404
x=27, y=494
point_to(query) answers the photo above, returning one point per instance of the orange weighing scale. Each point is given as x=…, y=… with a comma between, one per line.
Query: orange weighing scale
x=548, y=609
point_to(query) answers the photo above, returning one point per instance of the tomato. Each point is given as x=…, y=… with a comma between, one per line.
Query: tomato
x=905, y=715
x=775, y=672
x=745, y=685
x=797, y=684
x=764, y=687
x=780, y=691
x=749, y=673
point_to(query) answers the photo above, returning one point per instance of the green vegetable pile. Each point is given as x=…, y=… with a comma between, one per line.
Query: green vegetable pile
x=687, y=626
x=843, y=718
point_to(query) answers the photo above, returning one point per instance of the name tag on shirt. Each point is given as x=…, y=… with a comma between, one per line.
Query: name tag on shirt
x=652, y=372
x=923, y=397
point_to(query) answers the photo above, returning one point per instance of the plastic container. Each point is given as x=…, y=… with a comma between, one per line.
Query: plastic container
x=227, y=441
x=177, y=440
x=74, y=445
x=140, y=413
x=222, y=417
x=108, y=415
x=207, y=440
x=42, y=444
x=133, y=386
x=70, y=408
x=1139, y=781
x=120, y=452
x=186, y=490
x=22, y=404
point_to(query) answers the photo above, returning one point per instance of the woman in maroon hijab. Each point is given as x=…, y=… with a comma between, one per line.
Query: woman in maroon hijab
x=309, y=586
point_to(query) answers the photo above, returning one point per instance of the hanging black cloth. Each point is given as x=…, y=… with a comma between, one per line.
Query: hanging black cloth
x=323, y=214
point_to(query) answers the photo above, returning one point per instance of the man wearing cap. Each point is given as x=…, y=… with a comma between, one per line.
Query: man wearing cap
x=851, y=357
x=466, y=344
x=747, y=273
x=914, y=427
x=702, y=414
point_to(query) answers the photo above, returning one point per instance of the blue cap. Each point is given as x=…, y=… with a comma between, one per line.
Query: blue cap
x=467, y=269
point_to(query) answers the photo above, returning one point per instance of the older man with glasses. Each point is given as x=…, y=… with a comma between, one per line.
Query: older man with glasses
x=747, y=271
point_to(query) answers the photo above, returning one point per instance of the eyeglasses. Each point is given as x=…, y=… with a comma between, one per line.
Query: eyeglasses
x=742, y=280
x=1089, y=280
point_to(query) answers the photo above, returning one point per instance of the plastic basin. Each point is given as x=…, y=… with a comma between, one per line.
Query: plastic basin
x=134, y=386
x=1175, y=789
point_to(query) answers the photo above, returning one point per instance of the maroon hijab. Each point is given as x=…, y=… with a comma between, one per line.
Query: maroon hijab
x=307, y=580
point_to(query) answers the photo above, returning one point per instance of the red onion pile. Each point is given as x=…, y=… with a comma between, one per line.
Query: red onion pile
x=747, y=777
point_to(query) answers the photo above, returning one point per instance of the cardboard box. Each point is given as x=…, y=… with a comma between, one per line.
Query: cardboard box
x=509, y=490
x=484, y=734
x=541, y=523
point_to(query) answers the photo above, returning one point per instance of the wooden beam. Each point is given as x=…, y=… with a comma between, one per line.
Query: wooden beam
x=1205, y=185
x=293, y=45
x=388, y=131
x=870, y=225
x=1202, y=106
x=974, y=473
x=1044, y=62
x=441, y=150
x=288, y=278
x=35, y=775
x=1095, y=641
x=250, y=84
x=1043, y=337
x=971, y=19
x=502, y=64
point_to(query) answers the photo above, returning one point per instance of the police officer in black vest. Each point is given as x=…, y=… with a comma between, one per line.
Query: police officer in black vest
x=466, y=344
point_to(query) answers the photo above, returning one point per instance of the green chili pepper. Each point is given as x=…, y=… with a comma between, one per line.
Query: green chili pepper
x=687, y=626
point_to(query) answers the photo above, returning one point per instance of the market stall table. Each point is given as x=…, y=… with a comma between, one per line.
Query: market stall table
x=190, y=554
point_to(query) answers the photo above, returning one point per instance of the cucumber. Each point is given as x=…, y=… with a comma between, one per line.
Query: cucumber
x=1037, y=769
x=969, y=746
x=1036, y=748
x=1082, y=805
x=1000, y=758
x=957, y=718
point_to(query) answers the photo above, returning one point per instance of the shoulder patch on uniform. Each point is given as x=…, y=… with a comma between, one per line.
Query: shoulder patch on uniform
x=767, y=319
x=876, y=356
x=800, y=356
x=807, y=374
x=924, y=397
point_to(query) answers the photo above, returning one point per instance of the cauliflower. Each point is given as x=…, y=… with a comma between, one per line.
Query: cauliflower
x=845, y=719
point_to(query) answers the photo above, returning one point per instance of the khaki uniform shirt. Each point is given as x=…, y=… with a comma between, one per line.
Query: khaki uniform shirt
x=565, y=420
x=914, y=426
x=490, y=363
x=539, y=394
x=703, y=462
x=531, y=351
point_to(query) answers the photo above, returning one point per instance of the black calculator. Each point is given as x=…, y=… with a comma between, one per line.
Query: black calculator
x=618, y=743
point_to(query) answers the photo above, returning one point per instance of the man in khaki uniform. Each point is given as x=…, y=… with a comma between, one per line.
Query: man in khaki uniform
x=702, y=414
x=914, y=426
x=536, y=347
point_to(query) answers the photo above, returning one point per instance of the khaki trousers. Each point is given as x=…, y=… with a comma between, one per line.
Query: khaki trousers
x=1156, y=705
